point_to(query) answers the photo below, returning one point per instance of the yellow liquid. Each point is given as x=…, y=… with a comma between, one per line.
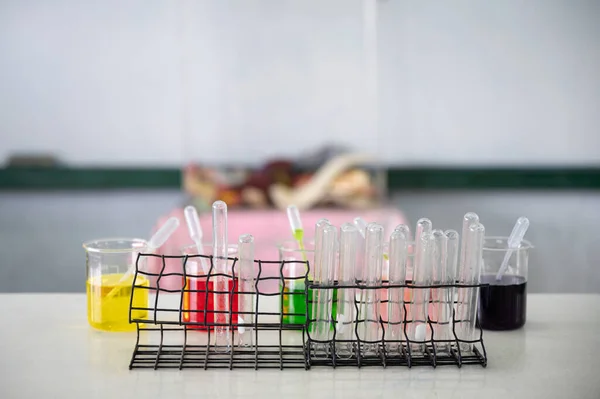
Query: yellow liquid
x=112, y=313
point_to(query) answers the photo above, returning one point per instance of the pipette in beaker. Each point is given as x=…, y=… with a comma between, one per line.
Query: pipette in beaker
x=195, y=230
x=246, y=290
x=469, y=274
x=346, y=313
x=370, y=328
x=419, y=309
x=158, y=239
x=397, y=275
x=296, y=224
x=220, y=260
x=514, y=240
x=324, y=277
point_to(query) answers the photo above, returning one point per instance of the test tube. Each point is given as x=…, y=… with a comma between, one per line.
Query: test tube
x=221, y=295
x=324, y=276
x=418, y=329
x=446, y=306
x=424, y=226
x=397, y=275
x=370, y=328
x=314, y=271
x=361, y=225
x=469, y=274
x=246, y=284
x=346, y=311
x=469, y=219
x=438, y=256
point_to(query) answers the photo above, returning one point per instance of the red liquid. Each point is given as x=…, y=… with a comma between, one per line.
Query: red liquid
x=199, y=300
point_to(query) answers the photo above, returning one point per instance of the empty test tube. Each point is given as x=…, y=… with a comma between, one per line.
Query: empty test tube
x=469, y=274
x=246, y=317
x=438, y=256
x=418, y=329
x=346, y=310
x=446, y=306
x=397, y=275
x=221, y=296
x=369, y=330
x=324, y=276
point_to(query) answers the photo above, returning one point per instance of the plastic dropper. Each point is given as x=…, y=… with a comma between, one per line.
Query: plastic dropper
x=221, y=298
x=193, y=224
x=514, y=241
x=293, y=215
x=157, y=240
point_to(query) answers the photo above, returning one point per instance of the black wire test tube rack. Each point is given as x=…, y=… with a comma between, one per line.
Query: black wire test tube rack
x=172, y=333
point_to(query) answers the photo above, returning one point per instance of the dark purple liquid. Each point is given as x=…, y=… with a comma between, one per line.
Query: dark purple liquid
x=502, y=304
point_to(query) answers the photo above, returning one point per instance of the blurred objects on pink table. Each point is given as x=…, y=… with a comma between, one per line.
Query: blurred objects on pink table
x=269, y=228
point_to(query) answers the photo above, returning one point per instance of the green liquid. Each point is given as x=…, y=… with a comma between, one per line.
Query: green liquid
x=294, y=301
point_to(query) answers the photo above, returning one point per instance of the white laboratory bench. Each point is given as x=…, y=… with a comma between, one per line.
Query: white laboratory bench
x=48, y=351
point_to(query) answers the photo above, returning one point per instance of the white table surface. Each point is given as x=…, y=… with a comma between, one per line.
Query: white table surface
x=47, y=350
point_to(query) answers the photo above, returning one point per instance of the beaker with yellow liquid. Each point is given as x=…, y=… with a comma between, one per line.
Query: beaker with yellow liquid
x=109, y=287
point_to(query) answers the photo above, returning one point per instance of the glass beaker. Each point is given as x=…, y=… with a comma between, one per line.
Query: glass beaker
x=294, y=293
x=503, y=304
x=109, y=289
x=195, y=298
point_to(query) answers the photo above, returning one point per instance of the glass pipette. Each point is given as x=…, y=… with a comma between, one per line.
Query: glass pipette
x=346, y=313
x=397, y=275
x=419, y=308
x=247, y=286
x=323, y=304
x=156, y=241
x=514, y=240
x=370, y=328
x=297, y=231
x=195, y=230
x=221, y=295
x=469, y=274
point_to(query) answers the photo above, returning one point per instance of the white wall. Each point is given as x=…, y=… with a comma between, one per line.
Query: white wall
x=162, y=82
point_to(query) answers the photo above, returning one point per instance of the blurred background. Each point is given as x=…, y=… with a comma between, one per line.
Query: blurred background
x=491, y=107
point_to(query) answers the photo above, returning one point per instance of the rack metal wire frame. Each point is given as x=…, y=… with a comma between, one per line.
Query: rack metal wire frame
x=305, y=353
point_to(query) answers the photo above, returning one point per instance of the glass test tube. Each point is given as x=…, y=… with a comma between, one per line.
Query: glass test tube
x=221, y=296
x=446, y=305
x=246, y=284
x=397, y=275
x=369, y=330
x=469, y=273
x=346, y=311
x=438, y=256
x=418, y=329
x=323, y=305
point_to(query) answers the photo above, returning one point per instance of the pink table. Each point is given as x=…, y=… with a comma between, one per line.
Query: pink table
x=269, y=228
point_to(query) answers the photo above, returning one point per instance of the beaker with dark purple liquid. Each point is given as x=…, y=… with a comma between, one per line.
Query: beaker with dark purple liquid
x=503, y=301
